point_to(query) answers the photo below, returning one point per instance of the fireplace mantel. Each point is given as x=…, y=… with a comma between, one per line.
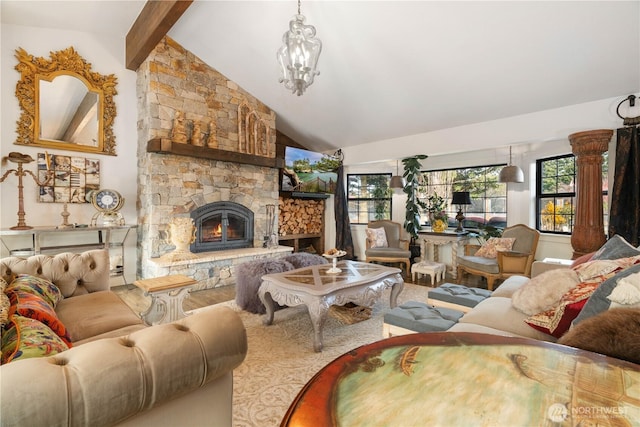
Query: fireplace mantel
x=166, y=146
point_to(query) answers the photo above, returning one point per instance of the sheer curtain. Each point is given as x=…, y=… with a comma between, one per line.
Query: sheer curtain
x=344, y=241
x=624, y=217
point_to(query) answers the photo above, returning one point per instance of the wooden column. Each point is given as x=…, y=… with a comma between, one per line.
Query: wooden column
x=588, y=230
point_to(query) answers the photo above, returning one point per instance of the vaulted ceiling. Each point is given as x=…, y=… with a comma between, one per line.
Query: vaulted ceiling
x=396, y=68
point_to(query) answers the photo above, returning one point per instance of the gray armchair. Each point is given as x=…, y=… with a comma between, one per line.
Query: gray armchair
x=518, y=261
x=397, y=250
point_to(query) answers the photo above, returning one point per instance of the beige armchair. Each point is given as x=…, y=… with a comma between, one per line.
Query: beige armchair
x=518, y=261
x=397, y=250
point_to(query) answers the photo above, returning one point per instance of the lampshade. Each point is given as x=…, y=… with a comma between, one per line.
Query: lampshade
x=298, y=57
x=511, y=173
x=397, y=181
x=461, y=198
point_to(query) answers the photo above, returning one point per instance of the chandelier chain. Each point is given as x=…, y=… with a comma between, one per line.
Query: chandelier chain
x=298, y=7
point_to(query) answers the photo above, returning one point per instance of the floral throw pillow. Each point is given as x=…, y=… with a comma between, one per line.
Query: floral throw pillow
x=29, y=338
x=493, y=245
x=35, y=307
x=557, y=320
x=377, y=238
x=37, y=286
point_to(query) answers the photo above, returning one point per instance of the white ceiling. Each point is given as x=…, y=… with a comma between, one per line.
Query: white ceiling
x=396, y=68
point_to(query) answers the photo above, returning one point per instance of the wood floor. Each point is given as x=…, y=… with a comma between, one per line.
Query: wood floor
x=135, y=298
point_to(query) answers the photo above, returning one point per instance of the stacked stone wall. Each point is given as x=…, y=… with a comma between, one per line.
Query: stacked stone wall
x=172, y=79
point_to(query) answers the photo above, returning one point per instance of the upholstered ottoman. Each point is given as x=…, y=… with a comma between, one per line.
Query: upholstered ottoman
x=435, y=270
x=413, y=316
x=457, y=297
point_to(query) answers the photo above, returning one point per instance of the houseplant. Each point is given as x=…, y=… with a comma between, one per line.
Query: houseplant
x=437, y=213
x=413, y=205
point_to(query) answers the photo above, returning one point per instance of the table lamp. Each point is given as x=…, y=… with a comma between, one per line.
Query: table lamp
x=460, y=198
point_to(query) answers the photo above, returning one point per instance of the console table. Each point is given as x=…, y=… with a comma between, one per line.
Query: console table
x=53, y=240
x=432, y=241
x=469, y=379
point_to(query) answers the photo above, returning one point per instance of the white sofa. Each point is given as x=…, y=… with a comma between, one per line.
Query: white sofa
x=118, y=371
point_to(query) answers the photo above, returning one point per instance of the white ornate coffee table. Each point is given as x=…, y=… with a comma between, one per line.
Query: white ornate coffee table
x=358, y=282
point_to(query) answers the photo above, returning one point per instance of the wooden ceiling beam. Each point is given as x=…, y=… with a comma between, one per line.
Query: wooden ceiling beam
x=154, y=22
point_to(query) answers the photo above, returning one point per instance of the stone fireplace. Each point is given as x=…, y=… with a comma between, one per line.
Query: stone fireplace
x=187, y=182
x=221, y=226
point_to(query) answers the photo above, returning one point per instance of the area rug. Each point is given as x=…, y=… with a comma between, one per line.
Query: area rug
x=281, y=359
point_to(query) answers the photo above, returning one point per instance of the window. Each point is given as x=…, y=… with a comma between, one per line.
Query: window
x=556, y=193
x=488, y=196
x=368, y=197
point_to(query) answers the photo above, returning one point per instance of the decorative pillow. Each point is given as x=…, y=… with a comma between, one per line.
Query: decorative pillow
x=29, y=338
x=37, y=286
x=558, y=320
x=4, y=309
x=597, y=268
x=493, y=245
x=616, y=247
x=4, y=303
x=377, y=237
x=615, y=332
x=34, y=307
x=627, y=292
x=544, y=291
x=581, y=260
x=599, y=301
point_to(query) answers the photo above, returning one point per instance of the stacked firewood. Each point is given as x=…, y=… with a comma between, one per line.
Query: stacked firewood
x=300, y=216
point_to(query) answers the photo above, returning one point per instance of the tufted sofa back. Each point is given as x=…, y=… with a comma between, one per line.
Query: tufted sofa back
x=74, y=274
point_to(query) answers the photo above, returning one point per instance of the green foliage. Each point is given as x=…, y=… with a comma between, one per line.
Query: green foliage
x=411, y=174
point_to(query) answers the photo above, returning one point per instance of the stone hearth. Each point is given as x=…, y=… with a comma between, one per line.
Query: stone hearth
x=213, y=269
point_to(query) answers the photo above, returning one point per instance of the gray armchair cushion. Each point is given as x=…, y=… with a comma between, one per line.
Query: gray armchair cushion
x=388, y=253
x=489, y=265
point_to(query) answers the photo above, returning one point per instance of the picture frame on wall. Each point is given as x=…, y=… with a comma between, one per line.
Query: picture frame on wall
x=74, y=177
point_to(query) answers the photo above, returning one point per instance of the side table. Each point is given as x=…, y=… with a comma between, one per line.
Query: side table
x=167, y=294
x=435, y=270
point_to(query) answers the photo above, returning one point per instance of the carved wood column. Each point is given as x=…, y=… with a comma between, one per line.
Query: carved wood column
x=588, y=230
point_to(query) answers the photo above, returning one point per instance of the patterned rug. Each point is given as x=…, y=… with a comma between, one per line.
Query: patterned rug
x=281, y=359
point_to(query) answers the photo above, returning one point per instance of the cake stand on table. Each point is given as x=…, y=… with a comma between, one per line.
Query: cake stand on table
x=334, y=257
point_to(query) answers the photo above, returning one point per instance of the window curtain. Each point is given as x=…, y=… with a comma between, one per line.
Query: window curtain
x=344, y=241
x=624, y=216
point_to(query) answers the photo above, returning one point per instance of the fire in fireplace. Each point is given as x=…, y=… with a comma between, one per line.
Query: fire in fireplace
x=222, y=225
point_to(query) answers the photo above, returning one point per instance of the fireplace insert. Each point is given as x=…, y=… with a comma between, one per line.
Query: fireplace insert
x=222, y=225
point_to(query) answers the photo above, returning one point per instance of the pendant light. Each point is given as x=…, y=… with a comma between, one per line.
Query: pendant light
x=298, y=56
x=397, y=181
x=511, y=173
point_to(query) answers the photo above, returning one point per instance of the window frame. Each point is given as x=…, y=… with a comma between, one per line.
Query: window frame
x=572, y=195
x=464, y=185
x=357, y=200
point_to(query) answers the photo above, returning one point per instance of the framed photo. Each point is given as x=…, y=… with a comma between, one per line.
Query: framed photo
x=74, y=176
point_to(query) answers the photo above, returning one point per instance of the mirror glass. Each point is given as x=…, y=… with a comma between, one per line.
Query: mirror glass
x=64, y=103
x=68, y=111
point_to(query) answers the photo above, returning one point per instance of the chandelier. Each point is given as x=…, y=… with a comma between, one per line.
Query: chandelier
x=298, y=57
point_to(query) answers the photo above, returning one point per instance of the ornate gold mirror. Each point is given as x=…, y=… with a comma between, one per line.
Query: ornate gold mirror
x=64, y=104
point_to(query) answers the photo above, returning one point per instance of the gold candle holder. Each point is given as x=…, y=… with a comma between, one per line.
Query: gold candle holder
x=20, y=159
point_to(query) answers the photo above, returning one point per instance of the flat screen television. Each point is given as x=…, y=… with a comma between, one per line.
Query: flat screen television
x=308, y=171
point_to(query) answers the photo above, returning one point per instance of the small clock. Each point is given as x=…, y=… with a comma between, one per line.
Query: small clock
x=107, y=203
x=107, y=200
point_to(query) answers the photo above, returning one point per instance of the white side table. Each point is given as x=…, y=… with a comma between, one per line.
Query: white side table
x=435, y=270
x=167, y=294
